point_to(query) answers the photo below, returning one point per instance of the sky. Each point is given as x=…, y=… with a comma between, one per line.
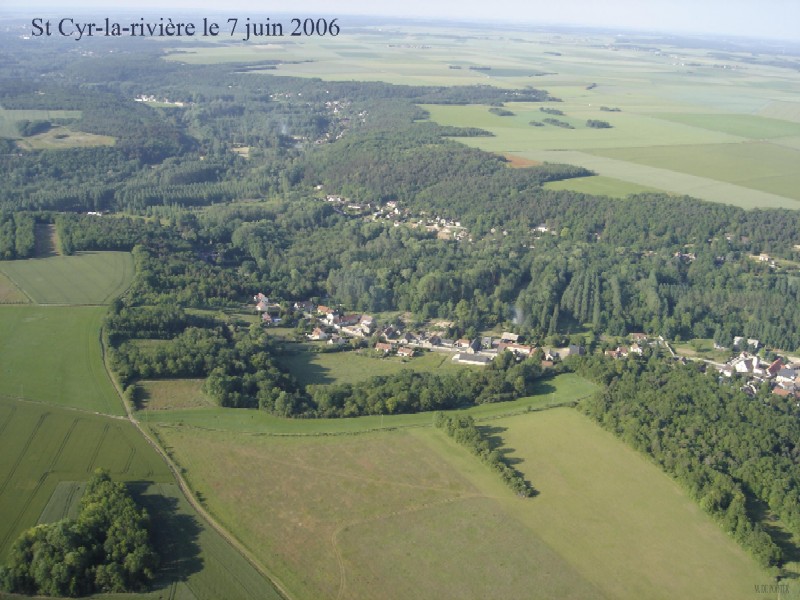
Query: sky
x=771, y=19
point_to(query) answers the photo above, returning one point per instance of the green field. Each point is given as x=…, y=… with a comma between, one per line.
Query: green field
x=754, y=165
x=53, y=355
x=409, y=514
x=86, y=278
x=59, y=138
x=43, y=445
x=163, y=394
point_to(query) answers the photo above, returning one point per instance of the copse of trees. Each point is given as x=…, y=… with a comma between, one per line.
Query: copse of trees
x=106, y=549
x=598, y=124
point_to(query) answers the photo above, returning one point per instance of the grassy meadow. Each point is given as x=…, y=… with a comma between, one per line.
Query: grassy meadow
x=60, y=138
x=10, y=117
x=85, y=278
x=407, y=513
x=350, y=367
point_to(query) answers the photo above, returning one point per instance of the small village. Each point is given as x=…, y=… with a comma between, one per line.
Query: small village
x=337, y=328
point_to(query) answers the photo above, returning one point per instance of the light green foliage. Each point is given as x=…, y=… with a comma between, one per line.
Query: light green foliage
x=351, y=367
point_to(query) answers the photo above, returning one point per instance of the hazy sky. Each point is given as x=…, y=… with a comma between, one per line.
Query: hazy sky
x=753, y=18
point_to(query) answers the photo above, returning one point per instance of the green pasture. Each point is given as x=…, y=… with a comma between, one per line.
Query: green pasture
x=554, y=391
x=600, y=186
x=85, y=278
x=53, y=355
x=164, y=394
x=316, y=509
x=759, y=166
x=408, y=514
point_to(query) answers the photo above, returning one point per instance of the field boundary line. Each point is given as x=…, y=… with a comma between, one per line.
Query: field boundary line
x=11, y=414
x=93, y=458
x=54, y=405
x=186, y=490
x=24, y=451
x=19, y=287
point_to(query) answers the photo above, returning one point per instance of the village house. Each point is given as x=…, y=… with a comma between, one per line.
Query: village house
x=318, y=335
x=405, y=352
x=509, y=337
x=383, y=347
x=775, y=368
x=305, y=306
x=336, y=340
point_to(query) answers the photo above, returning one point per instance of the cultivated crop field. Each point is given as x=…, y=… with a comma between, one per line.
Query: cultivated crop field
x=606, y=522
x=53, y=355
x=683, y=120
x=48, y=453
x=42, y=445
x=86, y=278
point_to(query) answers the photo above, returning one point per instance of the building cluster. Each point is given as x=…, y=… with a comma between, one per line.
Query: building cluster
x=335, y=327
x=782, y=377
